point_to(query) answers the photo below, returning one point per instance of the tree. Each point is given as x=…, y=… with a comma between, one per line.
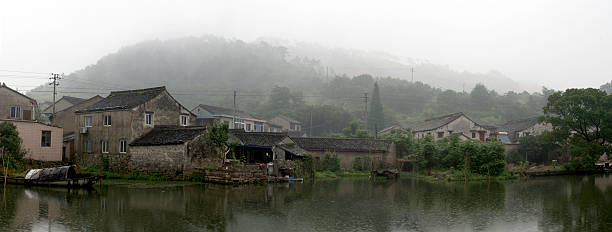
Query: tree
x=376, y=117
x=10, y=145
x=481, y=99
x=582, y=118
x=353, y=131
x=218, y=137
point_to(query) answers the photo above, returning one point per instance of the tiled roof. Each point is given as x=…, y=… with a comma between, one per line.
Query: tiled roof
x=71, y=100
x=343, y=144
x=262, y=139
x=17, y=92
x=124, y=100
x=168, y=135
x=437, y=122
x=217, y=110
x=291, y=120
x=519, y=125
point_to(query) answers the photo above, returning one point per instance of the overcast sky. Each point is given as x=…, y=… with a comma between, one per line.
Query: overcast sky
x=555, y=43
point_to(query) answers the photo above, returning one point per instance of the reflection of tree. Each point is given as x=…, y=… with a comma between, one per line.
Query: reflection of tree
x=578, y=204
x=7, y=208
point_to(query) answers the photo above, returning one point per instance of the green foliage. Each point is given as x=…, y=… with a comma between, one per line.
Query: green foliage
x=376, y=116
x=607, y=87
x=305, y=167
x=330, y=162
x=540, y=149
x=362, y=163
x=198, y=177
x=10, y=145
x=218, y=135
x=483, y=158
x=353, y=131
x=582, y=118
x=404, y=143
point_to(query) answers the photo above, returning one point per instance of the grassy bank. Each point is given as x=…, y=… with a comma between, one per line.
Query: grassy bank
x=341, y=174
x=454, y=175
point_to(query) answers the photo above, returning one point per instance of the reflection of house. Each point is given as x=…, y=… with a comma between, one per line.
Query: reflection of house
x=167, y=149
x=14, y=105
x=445, y=126
x=243, y=120
x=349, y=149
x=63, y=103
x=40, y=141
x=288, y=124
x=511, y=132
x=108, y=127
x=263, y=147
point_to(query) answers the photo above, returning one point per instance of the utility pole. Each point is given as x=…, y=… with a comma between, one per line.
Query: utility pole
x=55, y=77
x=234, y=122
x=310, y=129
x=365, y=112
x=412, y=74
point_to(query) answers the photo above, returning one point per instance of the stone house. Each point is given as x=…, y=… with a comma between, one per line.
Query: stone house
x=348, y=149
x=263, y=148
x=445, y=126
x=516, y=129
x=62, y=104
x=66, y=119
x=391, y=130
x=287, y=123
x=171, y=151
x=106, y=128
x=39, y=141
x=14, y=105
x=243, y=120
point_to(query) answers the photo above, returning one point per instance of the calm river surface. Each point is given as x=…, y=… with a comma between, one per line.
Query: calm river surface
x=565, y=203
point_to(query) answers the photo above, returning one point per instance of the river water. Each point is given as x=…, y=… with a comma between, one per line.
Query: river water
x=563, y=203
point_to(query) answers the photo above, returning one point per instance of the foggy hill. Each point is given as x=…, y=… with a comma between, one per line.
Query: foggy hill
x=204, y=69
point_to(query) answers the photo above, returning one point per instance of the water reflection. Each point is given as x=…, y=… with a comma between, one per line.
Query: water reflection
x=572, y=203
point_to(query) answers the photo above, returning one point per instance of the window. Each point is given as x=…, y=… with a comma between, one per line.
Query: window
x=104, y=144
x=184, y=119
x=248, y=127
x=473, y=134
x=45, y=140
x=122, y=146
x=107, y=120
x=440, y=134
x=87, y=121
x=15, y=112
x=88, y=146
x=238, y=123
x=259, y=126
x=148, y=118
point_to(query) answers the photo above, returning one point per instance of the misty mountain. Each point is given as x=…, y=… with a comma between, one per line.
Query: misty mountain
x=208, y=69
x=339, y=61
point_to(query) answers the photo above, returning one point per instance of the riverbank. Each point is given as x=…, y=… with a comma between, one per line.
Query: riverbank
x=454, y=175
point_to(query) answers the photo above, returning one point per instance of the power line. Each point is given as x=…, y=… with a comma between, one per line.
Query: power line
x=55, y=77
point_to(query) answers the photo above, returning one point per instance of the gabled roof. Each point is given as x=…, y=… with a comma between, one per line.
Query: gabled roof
x=69, y=99
x=221, y=111
x=343, y=144
x=391, y=128
x=260, y=139
x=519, y=125
x=291, y=120
x=168, y=135
x=17, y=92
x=437, y=122
x=124, y=100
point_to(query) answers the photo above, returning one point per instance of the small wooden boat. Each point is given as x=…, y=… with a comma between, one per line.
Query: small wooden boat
x=60, y=176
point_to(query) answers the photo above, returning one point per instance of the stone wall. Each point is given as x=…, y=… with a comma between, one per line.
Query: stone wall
x=164, y=159
x=347, y=159
x=116, y=163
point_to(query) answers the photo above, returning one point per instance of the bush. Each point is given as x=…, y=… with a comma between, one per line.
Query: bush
x=362, y=164
x=330, y=162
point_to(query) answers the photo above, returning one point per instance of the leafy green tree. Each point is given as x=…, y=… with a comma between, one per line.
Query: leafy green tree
x=428, y=156
x=490, y=159
x=481, y=98
x=10, y=145
x=218, y=136
x=376, y=116
x=330, y=162
x=582, y=118
x=354, y=131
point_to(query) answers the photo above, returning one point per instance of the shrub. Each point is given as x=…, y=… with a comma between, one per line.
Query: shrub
x=330, y=162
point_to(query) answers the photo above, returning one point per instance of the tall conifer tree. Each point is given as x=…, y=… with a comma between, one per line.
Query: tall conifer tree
x=376, y=117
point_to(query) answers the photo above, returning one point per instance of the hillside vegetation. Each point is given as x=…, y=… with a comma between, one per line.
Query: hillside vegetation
x=269, y=80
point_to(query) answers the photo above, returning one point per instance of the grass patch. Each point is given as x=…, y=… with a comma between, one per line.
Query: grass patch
x=455, y=175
